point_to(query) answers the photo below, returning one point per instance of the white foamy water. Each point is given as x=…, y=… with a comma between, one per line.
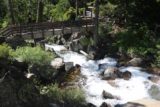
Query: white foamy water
x=126, y=90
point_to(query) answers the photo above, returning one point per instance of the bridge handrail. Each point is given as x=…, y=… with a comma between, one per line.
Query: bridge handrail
x=13, y=29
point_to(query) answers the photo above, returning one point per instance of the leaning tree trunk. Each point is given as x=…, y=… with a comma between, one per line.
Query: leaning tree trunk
x=10, y=8
x=40, y=7
x=96, y=21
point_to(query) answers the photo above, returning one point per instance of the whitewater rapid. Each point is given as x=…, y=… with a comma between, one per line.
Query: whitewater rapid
x=126, y=90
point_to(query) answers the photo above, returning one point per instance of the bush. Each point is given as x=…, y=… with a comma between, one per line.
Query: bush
x=5, y=51
x=33, y=55
x=71, y=97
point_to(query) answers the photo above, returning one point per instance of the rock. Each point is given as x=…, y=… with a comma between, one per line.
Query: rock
x=75, y=35
x=68, y=66
x=136, y=62
x=15, y=41
x=130, y=104
x=154, y=92
x=91, y=52
x=72, y=74
x=110, y=73
x=104, y=104
x=155, y=79
x=154, y=70
x=107, y=95
x=57, y=63
x=90, y=105
x=126, y=75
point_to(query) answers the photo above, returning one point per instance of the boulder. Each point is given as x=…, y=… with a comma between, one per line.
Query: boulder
x=136, y=62
x=57, y=63
x=154, y=70
x=107, y=95
x=154, y=92
x=110, y=73
x=104, y=104
x=130, y=104
x=91, y=105
x=72, y=74
x=15, y=41
x=155, y=79
x=68, y=66
x=126, y=75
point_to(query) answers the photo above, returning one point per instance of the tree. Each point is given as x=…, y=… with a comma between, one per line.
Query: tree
x=10, y=6
x=40, y=7
x=96, y=20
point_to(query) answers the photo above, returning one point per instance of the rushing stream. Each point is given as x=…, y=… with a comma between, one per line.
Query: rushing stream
x=126, y=90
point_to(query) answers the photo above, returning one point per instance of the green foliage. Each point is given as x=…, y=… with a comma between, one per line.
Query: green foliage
x=58, y=13
x=86, y=41
x=135, y=42
x=33, y=55
x=5, y=51
x=72, y=97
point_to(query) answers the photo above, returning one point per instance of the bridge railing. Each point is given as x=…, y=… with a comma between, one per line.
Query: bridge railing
x=20, y=29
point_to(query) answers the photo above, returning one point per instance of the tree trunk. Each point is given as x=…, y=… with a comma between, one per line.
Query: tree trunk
x=10, y=6
x=77, y=9
x=96, y=21
x=40, y=7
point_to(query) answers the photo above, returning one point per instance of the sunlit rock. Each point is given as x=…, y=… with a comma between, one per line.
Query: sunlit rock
x=110, y=73
x=57, y=63
x=155, y=79
x=154, y=92
x=135, y=62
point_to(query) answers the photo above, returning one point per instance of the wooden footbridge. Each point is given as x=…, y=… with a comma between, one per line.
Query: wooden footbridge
x=37, y=30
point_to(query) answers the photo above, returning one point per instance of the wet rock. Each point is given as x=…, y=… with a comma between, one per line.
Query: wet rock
x=91, y=52
x=135, y=62
x=91, y=105
x=155, y=79
x=107, y=95
x=130, y=104
x=154, y=92
x=68, y=66
x=57, y=63
x=104, y=104
x=110, y=73
x=126, y=75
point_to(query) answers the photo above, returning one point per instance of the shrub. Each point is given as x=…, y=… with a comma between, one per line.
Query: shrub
x=33, y=55
x=72, y=97
x=5, y=51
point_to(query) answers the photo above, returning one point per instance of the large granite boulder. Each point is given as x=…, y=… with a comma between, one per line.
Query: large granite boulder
x=110, y=73
x=136, y=62
x=154, y=92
